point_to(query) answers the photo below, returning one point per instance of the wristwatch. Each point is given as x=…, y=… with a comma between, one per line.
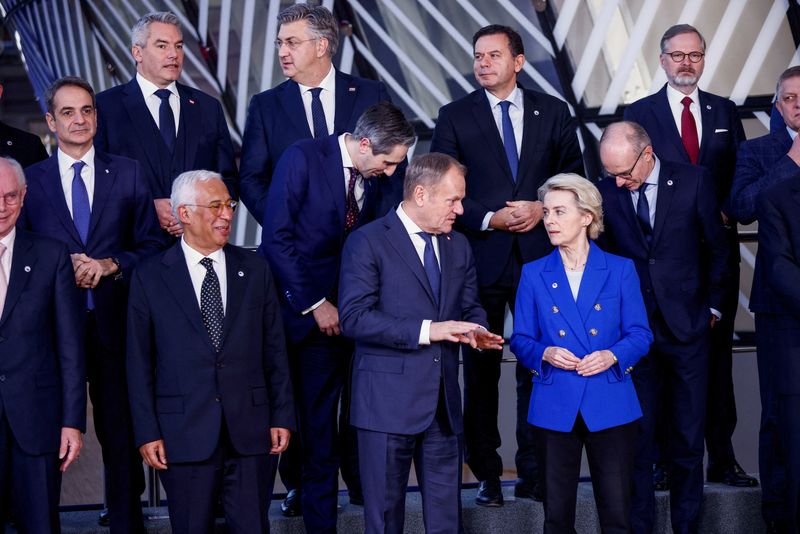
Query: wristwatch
x=118, y=274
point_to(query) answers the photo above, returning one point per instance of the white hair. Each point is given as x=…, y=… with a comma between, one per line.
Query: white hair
x=184, y=188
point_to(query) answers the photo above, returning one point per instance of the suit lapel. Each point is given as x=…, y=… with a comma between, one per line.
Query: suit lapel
x=104, y=177
x=334, y=175
x=400, y=240
x=346, y=94
x=530, y=129
x=144, y=127
x=237, y=281
x=22, y=264
x=594, y=278
x=485, y=121
x=554, y=278
x=666, y=190
x=707, y=112
x=189, y=127
x=625, y=206
x=51, y=184
x=292, y=104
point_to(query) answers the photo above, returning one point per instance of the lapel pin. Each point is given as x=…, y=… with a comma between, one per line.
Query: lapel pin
x=351, y=89
x=9, y=143
x=555, y=309
x=669, y=182
x=27, y=268
x=536, y=112
x=598, y=307
x=555, y=285
x=708, y=107
x=191, y=101
x=240, y=273
x=107, y=171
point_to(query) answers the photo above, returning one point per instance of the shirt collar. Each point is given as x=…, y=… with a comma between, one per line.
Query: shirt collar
x=149, y=88
x=328, y=83
x=515, y=97
x=8, y=240
x=674, y=96
x=347, y=161
x=792, y=133
x=65, y=162
x=193, y=257
x=410, y=226
x=652, y=178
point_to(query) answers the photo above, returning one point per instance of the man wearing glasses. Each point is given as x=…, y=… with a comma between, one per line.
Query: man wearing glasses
x=691, y=126
x=663, y=215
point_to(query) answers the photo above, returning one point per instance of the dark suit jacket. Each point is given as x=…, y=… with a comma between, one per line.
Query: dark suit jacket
x=126, y=128
x=722, y=133
x=43, y=384
x=304, y=228
x=24, y=147
x=779, y=260
x=466, y=130
x=687, y=224
x=276, y=119
x=180, y=388
x=123, y=225
x=384, y=297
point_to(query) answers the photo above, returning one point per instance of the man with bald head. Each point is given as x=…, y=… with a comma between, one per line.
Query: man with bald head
x=664, y=216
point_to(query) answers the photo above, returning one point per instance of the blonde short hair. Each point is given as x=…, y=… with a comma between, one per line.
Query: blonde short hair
x=587, y=197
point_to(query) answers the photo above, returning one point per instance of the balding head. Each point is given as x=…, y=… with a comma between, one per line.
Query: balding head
x=626, y=153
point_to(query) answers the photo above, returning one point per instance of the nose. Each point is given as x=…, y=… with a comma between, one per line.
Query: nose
x=458, y=208
x=620, y=182
x=388, y=171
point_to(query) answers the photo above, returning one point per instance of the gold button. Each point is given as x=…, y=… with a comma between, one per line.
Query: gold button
x=627, y=371
x=561, y=333
x=555, y=309
x=598, y=307
x=593, y=331
x=555, y=285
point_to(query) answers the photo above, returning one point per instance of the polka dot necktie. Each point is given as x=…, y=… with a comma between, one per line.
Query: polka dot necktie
x=351, y=210
x=211, y=303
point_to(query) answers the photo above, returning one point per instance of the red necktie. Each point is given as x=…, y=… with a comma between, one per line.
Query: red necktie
x=689, y=131
x=351, y=206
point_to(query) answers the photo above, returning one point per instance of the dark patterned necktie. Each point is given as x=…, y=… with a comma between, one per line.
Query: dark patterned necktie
x=431, y=265
x=318, y=114
x=351, y=210
x=211, y=303
x=166, y=118
x=643, y=212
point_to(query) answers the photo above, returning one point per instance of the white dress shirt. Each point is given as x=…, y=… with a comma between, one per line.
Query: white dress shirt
x=674, y=98
x=197, y=272
x=347, y=164
x=5, y=261
x=68, y=173
x=419, y=245
x=154, y=103
x=327, y=96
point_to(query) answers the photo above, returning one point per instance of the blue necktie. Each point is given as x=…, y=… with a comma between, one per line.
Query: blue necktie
x=318, y=114
x=431, y=265
x=81, y=214
x=643, y=212
x=509, y=141
x=166, y=119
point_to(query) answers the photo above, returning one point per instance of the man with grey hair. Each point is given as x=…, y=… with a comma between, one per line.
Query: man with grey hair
x=322, y=190
x=688, y=125
x=166, y=126
x=664, y=216
x=208, y=376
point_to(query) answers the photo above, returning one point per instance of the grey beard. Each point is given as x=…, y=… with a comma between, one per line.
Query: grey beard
x=684, y=80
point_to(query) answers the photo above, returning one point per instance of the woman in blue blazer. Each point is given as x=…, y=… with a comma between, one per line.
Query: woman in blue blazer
x=580, y=327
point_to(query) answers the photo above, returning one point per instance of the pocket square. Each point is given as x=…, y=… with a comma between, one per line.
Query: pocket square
x=720, y=130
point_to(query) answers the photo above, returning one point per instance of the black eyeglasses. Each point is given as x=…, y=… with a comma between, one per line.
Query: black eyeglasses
x=218, y=205
x=627, y=175
x=677, y=57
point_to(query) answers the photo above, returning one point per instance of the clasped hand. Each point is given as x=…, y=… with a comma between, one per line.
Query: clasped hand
x=591, y=364
x=89, y=271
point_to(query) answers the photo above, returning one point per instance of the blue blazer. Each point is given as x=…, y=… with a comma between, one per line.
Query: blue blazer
x=179, y=387
x=608, y=315
x=126, y=128
x=384, y=296
x=123, y=225
x=304, y=228
x=466, y=130
x=42, y=362
x=276, y=119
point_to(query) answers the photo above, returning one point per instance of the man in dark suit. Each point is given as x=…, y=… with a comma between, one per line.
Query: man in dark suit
x=762, y=163
x=704, y=130
x=208, y=376
x=409, y=297
x=164, y=125
x=779, y=254
x=42, y=368
x=322, y=190
x=511, y=140
x=664, y=216
x=22, y=146
x=100, y=206
x=316, y=101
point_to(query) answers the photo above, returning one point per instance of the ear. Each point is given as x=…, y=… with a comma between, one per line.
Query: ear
x=136, y=52
x=519, y=61
x=364, y=145
x=51, y=121
x=419, y=195
x=184, y=214
x=662, y=59
x=322, y=46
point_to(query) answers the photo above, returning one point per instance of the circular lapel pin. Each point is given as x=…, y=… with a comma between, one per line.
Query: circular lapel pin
x=536, y=112
x=27, y=268
x=240, y=273
x=669, y=182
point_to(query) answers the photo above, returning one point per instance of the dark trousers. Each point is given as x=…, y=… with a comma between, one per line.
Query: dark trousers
x=244, y=484
x=789, y=426
x=771, y=457
x=323, y=366
x=481, y=376
x=385, y=465
x=610, y=453
x=108, y=390
x=34, y=482
x=681, y=368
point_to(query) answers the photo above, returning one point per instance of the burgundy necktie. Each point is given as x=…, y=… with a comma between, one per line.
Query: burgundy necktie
x=351, y=206
x=689, y=131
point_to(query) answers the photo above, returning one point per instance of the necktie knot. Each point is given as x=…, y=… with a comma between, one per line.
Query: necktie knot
x=78, y=166
x=427, y=237
x=315, y=91
x=686, y=101
x=504, y=105
x=208, y=263
x=163, y=94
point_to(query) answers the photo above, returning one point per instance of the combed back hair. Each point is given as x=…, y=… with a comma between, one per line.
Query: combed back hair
x=141, y=30
x=680, y=29
x=385, y=126
x=791, y=72
x=16, y=168
x=321, y=22
x=587, y=197
x=514, y=39
x=428, y=170
x=184, y=188
x=74, y=81
x=635, y=135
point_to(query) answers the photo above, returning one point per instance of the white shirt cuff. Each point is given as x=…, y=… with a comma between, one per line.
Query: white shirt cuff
x=425, y=332
x=485, y=223
x=313, y=306
x=716, y=313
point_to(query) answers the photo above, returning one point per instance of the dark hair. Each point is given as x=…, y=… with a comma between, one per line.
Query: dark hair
x=427, y=170
x=385, y=126
x=635, y=135
x=74, y=81
x=321, y=22
x=514, y=40
x=791, y=72
x=680, y=29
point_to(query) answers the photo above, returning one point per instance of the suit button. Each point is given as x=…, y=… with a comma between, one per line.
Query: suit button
x=561, y=333
x=220, y=365
x=593, y=331
x=436, y=359
x=2, y=378
x=651, y=261
x=218, y=398
x=598, y=307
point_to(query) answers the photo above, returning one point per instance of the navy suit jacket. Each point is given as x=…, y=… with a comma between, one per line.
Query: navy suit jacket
x=123, y=225
x=608, y=315
x=276, y=119
x=126, y=128
x=180, y=388
x=384, y=296
x=42, y=364
x=24, y=147
x=722, y=133
x=467, y=131
x=674, y=276
x=304, y=228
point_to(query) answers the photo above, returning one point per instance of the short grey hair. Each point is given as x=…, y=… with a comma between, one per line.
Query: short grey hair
x=184, y=188
x=141, y=30
x=321, y=22
x=385, y=126
x=791, y=72
x=634, y=134
x=427, y=170
x=16, y=168
x=680, y=29
x=587, y=198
